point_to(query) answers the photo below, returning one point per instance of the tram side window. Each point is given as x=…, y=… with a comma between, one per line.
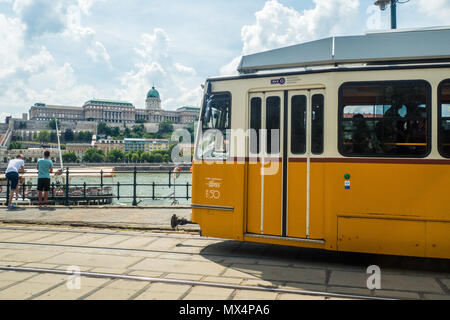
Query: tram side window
x=255, y=124
x=444, y=135
x=273, y=124
x=317, y=124
x=385, y=119
x=298, y=124
x=216, y=122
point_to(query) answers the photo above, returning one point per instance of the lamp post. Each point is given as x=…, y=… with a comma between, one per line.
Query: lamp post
x=384, y=3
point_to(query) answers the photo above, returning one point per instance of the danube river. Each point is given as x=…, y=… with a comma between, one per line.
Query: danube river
x=142, y=190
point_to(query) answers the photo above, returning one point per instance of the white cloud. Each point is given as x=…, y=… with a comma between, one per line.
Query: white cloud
x=74, y=27
x=98, y=52
x=41, y=16
x=76, y=31
x=231, y=68
x=86, y=5
x=154, y=46
x=279, y=26
x=184, y=69
x=438, y=9
x=28, y=73
x=178, y=84
x=11, y=35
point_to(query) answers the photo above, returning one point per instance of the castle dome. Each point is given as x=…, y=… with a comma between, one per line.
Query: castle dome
x=153, y=93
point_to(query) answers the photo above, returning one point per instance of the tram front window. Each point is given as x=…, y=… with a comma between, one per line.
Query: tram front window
x=385, y=119
x=444, y=134
x=216, y=122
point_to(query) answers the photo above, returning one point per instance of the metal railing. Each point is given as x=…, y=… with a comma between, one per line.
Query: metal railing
x=67, y=193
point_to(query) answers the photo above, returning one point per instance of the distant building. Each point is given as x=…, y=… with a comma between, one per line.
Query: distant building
x=78, y=148
x=43, y=112
x=153, y=101
x=107, y=145
x=109, y=111
x=146, y=145
x=115, y=112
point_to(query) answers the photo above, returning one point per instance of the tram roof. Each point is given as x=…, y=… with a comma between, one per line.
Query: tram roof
x=376, y=47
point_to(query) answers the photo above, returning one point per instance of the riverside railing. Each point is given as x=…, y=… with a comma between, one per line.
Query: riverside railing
x=67, y=193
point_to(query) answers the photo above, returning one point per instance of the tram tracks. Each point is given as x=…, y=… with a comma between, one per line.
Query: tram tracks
x=191, y=283
x=224, y=257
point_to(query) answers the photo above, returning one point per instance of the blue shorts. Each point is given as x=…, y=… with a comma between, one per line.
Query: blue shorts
x=13, y=177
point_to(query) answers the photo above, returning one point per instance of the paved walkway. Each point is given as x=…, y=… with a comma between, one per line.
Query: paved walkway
x=106, y=217
x=191, y=258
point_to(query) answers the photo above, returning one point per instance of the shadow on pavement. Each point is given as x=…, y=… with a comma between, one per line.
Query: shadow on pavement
x=16, y=209
x=320, y=270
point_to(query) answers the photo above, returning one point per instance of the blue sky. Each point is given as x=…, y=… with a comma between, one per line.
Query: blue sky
x=67, y=52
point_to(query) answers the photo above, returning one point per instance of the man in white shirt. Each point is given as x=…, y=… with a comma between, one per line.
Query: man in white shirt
x=15, y=167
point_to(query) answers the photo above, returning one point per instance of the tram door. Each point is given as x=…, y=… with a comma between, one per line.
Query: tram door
x=305, y=142
x=265, y=195
x=282, y=178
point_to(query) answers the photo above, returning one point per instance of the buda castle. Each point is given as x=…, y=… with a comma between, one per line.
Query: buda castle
x=111, y=111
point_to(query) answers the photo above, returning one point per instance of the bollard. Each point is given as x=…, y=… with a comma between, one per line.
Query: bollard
x=153, y=190
x=66, y=201
x=170, y=179
x=134, y=187
x=187, y=190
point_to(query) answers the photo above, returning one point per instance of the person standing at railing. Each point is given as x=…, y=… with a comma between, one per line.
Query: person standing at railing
x=45, y=167
x=15, y=167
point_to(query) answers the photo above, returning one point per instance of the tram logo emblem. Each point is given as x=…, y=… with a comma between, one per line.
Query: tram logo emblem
x=213, y=184
x=278, y=81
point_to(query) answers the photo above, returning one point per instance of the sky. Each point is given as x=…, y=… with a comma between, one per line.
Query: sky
x=70, y=51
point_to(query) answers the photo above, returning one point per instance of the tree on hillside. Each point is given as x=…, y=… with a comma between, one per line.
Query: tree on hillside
x=15, y=146
x=94, y=155
x=53, y=137
x=43, y=136
x=165, y=127
x=84, y=136
x=157, y=157
x=115, y=131
x=52, y=124
x=69, y=135
x=116, y=155
x=70, y=157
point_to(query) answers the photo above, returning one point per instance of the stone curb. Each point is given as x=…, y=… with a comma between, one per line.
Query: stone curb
x=138, y=227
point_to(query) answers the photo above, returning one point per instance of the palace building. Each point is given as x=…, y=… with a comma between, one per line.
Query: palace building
x=110, y=111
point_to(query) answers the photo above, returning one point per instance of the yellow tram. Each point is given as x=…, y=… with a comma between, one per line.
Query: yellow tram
x=337, y=144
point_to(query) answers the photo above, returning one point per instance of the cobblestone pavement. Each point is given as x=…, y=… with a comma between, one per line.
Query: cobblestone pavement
x=189, y=257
